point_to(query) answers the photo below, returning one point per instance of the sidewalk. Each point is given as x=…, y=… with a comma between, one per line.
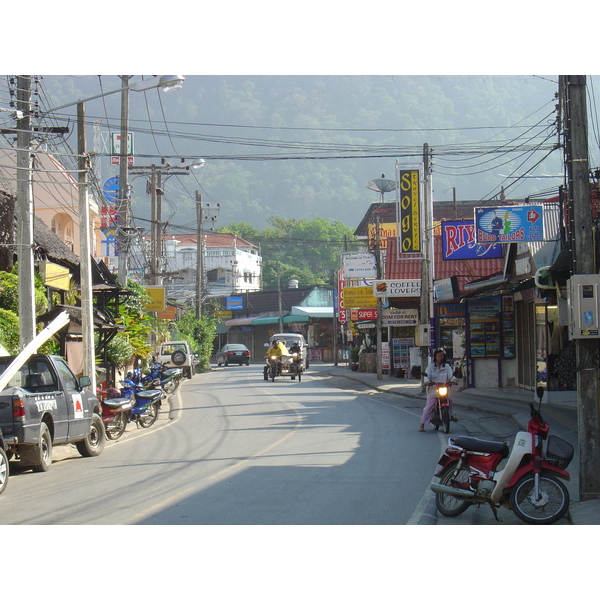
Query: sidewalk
x=512, y=403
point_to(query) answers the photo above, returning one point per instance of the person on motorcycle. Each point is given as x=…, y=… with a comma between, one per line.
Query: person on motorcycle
x=277, y=349
x=437, y=372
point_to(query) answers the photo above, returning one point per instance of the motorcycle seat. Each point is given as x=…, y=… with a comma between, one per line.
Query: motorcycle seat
x=115, y=403
x=477, y=445
x=148, y=395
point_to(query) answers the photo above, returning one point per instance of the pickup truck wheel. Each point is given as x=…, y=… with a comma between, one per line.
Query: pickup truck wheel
x=93, y=443
x=3, y=470
x=38, y=458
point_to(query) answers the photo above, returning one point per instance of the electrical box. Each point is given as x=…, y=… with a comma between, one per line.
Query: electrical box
x=583, y=295
x=422, y=335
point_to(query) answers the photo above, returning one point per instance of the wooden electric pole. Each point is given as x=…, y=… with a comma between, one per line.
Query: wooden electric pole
x=576, y=146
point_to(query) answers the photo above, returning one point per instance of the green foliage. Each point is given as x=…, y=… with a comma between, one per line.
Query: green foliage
x=305, y=250
x=9, y=330
x=9, y=291
x=199, y=334
x=119, y=351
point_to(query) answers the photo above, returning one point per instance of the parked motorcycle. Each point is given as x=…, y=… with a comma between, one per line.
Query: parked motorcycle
x=169, y=378
x=529, y=484
x=441, y=410
x=115, y=409
x=146, y=402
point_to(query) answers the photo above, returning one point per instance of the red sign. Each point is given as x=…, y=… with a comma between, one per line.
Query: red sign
x=342, y=312
x=364, y=314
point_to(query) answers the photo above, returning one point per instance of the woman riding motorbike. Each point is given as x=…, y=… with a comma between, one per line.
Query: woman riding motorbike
x=437, y=372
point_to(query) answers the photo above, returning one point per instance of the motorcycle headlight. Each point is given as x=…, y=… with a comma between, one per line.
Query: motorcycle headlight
x=273, y=358
x=443, y=391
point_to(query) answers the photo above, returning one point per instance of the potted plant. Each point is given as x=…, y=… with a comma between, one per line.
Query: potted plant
x=354, y=358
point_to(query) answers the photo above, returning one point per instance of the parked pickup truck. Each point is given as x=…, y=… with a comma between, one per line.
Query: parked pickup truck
x=43, y=405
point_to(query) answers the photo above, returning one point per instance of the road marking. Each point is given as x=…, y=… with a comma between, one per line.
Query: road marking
x=222, y=472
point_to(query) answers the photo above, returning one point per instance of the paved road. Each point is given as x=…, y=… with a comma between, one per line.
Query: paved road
x=240, y=450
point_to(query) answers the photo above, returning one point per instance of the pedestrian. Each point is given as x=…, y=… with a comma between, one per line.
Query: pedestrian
x=437, y=372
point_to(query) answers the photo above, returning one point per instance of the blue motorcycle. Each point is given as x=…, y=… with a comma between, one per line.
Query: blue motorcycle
x=147, y=402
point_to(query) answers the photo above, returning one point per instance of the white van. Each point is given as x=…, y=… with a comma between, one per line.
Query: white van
x=289, y=339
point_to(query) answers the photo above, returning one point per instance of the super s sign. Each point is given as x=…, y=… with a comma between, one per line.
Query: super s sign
x=409, y=210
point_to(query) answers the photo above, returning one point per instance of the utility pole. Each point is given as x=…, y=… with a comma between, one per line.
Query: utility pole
x=199, y=258
x=87, y=308
x=425, y=249
x=379, y=302
x=25, y=214
x=123, y=228
x=576, y=146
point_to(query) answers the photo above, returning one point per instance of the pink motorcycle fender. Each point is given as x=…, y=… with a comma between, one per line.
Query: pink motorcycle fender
x=546, y=466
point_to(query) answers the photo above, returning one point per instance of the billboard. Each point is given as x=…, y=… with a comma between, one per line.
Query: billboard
x=409, y=210
x=458, y=242
x=507, y=224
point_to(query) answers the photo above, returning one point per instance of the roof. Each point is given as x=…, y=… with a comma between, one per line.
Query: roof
x=406, y=266
x=212, y=240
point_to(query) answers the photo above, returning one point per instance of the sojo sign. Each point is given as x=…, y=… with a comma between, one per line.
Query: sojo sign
x=409, y=210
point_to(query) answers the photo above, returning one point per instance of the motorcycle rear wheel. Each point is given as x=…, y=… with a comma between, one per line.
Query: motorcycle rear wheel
x=117, y=428
x=447, y=505
x=553, y=504
x=149, y=417
x=169, y=386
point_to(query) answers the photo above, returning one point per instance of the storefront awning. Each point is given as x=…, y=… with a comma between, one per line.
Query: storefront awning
x=274, y=320
x=237, y=322
x=317, y=312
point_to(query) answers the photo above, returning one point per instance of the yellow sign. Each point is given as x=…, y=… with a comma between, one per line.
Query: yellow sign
x=386, y=230
x=55, y=276
x=158, y=298
x=409, y=210
x=359, y=297
x=223, y=314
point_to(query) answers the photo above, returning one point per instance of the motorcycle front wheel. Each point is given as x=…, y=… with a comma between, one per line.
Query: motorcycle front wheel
x=447, y=505
x=446, y=419
x=551, y=505
x=273, y=372
x=149, y=417
x=169, y=386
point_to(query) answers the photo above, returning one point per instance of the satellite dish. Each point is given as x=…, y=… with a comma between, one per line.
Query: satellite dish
x=382, y=185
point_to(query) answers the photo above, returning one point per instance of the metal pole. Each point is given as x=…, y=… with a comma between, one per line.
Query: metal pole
x=425, y=248
x=25, y=214
x=87, y=309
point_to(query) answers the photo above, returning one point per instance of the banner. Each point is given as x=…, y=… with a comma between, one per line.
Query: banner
x=409, y=210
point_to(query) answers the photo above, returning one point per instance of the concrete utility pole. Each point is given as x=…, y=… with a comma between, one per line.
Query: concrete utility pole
x=379, y=302
x=199, y=258
x=427, y=221
x=574, y=88
x=123, y=228
x=85, y=253
x=25, y=214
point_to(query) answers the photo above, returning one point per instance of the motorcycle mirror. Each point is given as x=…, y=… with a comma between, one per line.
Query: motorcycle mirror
x=540, y=392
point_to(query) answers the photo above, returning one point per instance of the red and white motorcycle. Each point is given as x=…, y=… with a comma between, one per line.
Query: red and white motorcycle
x=529, y=484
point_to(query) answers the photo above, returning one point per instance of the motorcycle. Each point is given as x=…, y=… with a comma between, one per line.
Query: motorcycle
x=169, y=378
x=114, y=412
x=146, y=402
x=287, y=364
x=441, y=410
x=529, y=484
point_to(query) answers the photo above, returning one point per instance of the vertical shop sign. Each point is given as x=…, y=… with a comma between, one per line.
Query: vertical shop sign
x=409, y=214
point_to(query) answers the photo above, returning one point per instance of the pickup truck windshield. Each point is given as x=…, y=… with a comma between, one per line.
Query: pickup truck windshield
x=34, y=376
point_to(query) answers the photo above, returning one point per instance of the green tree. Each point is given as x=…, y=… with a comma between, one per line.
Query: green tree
x=305, y=250
x=199, y=334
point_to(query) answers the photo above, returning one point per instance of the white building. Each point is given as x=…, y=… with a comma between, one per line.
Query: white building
x=231, y=265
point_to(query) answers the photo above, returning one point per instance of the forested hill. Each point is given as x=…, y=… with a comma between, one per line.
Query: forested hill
x=306, y=146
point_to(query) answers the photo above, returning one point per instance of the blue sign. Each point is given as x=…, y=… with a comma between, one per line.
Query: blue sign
x=235, y=303
x=110, y=189
x=458, y=242
x=506, y=224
